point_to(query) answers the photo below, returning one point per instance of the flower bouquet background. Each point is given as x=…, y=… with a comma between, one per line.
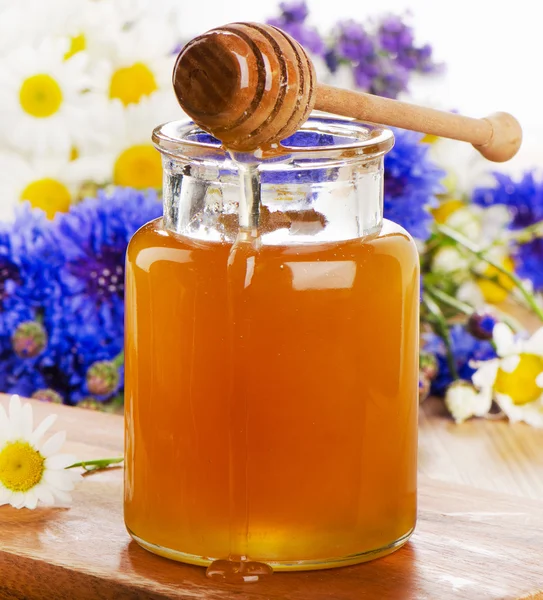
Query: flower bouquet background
x=81, y=88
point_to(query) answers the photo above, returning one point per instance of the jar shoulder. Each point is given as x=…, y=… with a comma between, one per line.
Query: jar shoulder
x=393, y=239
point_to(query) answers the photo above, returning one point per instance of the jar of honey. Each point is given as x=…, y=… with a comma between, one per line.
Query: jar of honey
x=272, y=354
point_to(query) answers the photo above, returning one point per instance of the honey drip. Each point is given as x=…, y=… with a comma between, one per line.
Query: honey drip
x=241, y=268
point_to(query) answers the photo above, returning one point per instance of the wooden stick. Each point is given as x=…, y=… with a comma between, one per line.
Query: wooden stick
x=497, y=137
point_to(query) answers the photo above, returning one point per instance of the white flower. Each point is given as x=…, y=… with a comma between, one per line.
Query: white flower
x=486, y=226
x=43, y=98
x=463, y=401
x=130, y=158
x=448, y=259
x=470, y=293
x=465, y=167
x=49, y=183
x=31, y=471
x=515, y=378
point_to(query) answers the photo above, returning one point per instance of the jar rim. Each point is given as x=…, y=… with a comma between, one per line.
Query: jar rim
x=350, y=139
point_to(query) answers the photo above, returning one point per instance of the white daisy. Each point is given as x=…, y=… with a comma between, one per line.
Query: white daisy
x=515, y=378
x=139, y=63
x=60, y=18
x=131, y=157
x=31, y=471
x=43, y=97
x=49, y=183
x=463, y=401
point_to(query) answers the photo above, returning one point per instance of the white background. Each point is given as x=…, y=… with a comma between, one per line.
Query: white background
x=493, y=50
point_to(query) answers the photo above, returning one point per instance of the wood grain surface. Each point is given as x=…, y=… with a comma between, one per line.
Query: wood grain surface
x=490, y=455
x=469, y=543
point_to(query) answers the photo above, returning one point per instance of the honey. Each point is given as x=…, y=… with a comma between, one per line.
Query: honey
x=272, y=416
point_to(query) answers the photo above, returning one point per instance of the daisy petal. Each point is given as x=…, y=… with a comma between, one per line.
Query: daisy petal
x=58, y=480
x=5, y=496
x=510, y=363
x=531, y=413
x=53, y=444
x=539, y=380
x=4, y=423
x=535, y=344
x=31, y=500
x=15, y=416
x=63, y=498
x=26, y=420
x=17, y=500
x=503, y=338
x=42, y=429
x=75, y=476
x=44, y=495
x=485, y=376
x=60, y=461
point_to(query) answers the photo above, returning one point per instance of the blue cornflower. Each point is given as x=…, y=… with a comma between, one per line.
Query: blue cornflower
x=28, y=259
x=93, y=237
x=292, y=21
x=523, y=198
x=86, y=324
x=465, y=348
x=412, y=180
x=20, y=376
x=529, y=262
x=76, y=343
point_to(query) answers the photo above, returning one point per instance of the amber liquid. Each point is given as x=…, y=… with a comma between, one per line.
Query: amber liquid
x=277, y=422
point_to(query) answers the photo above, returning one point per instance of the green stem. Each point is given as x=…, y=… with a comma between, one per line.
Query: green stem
x=465, y=308
x=468, y=245
x=441, y=325
x=449, y=300
x=97, y=464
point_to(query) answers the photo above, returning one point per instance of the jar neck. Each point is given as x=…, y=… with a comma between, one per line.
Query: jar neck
x=311, y=202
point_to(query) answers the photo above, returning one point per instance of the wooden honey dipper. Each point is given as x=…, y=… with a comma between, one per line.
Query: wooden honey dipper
x=252, y=85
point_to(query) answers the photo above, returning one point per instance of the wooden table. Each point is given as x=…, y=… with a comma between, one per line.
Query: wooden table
x=483, y=540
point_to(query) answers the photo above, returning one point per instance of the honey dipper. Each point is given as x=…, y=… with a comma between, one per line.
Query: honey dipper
x=252, y=85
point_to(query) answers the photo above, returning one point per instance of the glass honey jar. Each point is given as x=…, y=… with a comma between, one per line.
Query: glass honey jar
x=272, y=354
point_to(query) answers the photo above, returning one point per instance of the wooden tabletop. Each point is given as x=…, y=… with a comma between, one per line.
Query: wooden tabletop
x=482, y=541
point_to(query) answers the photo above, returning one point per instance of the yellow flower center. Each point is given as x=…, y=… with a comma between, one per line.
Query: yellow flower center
x=429, y=138
x=446, y=209
x=77, y=43
x=40, y=96
x=520, y=385
x=139, y=167
x=21, y=467
x=130, y=84
x=50, y=195
x=74, y=153
x=497, y=292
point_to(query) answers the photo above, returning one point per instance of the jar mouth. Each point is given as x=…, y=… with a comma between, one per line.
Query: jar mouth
x=320, y=137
